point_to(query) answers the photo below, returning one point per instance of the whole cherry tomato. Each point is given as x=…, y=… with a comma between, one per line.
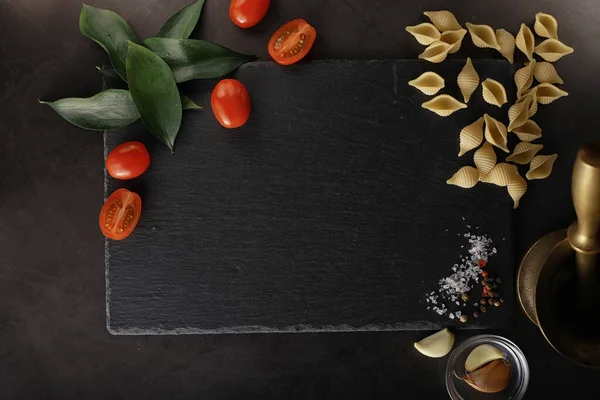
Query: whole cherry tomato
x=128, y=160
x=292, y=42
x=120, y=214
x=247, y=13
x=230, y=103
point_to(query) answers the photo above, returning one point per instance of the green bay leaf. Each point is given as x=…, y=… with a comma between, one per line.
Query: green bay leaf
x=154, y=92
x=189, y=104
x=107, y=110
x=112, y=80
x=110, y=31
x=183, y=22
x=196, y=59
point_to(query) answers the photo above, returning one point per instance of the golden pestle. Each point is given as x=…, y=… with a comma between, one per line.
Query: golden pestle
x=547, y=269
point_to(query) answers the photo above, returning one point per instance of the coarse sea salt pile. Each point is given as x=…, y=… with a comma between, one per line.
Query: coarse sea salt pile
x=463, y=278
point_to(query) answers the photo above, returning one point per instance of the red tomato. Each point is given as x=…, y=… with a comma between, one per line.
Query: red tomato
x=128, y=160
x=120, y=214
x=247, y=13
x=230, y=103
x=292, y=42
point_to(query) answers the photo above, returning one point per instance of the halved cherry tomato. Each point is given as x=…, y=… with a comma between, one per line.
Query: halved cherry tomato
x=247, y=13
x=292, y=42
x=120, y=214
x=128, y=160
x=230, y=103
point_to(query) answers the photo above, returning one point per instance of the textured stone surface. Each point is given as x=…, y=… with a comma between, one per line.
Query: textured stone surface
x=328, y=211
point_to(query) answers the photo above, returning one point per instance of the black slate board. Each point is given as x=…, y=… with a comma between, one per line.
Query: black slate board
x=327, y=211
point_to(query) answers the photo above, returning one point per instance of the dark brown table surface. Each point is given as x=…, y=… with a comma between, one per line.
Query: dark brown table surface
x=53, y=340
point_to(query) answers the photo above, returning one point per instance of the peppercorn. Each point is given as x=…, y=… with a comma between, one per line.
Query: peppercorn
x=476, y=314
x=483, y=301
x=498, y=280
x=483, y=309
x=490, y=302
x=495, y=285
x=496, y=295
x=484, y=282
x=501, y=299
x=497, y=303
x=464, y=297
x=463, y=318
x=482, y=263
x=488, y=286
x=484, y=273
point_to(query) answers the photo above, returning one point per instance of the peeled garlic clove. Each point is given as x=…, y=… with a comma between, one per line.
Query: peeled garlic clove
x=482, y=355
x=493, y=377
x=437, y=345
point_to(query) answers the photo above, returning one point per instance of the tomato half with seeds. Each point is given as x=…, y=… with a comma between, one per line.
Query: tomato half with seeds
x=128, y=160
x=120, y=214
x=230, y=103
x=247, y=13
x=292, y=42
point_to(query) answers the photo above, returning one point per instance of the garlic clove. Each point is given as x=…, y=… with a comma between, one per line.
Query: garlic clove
x=493, y=377
x=437, y=345
x=482, y=355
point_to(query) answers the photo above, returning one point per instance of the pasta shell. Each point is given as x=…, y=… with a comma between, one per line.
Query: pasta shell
x=552, y=50
x=546, y=26
x=454, y=39
x=524, y=78
x=495, y=132
x=435, y=52
x=471, y=136
x=493, y=92
x=518, y=114
x=546, y=93
x=544, y=72
x=525, y=41
x=443, y=105
x=529, y=131
x=466, y=177
x=443, y=20
x=429, y=83
x=485, y=159
x=483, y=36
x=501, y=174
x=506, y=41
x=533, y=106
x=468, y=80
x=541, y=167
x=425, y=33
x=524, y=153
x=516, y=189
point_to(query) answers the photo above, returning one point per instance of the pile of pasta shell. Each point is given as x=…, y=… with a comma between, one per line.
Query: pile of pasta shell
x=443, y=35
